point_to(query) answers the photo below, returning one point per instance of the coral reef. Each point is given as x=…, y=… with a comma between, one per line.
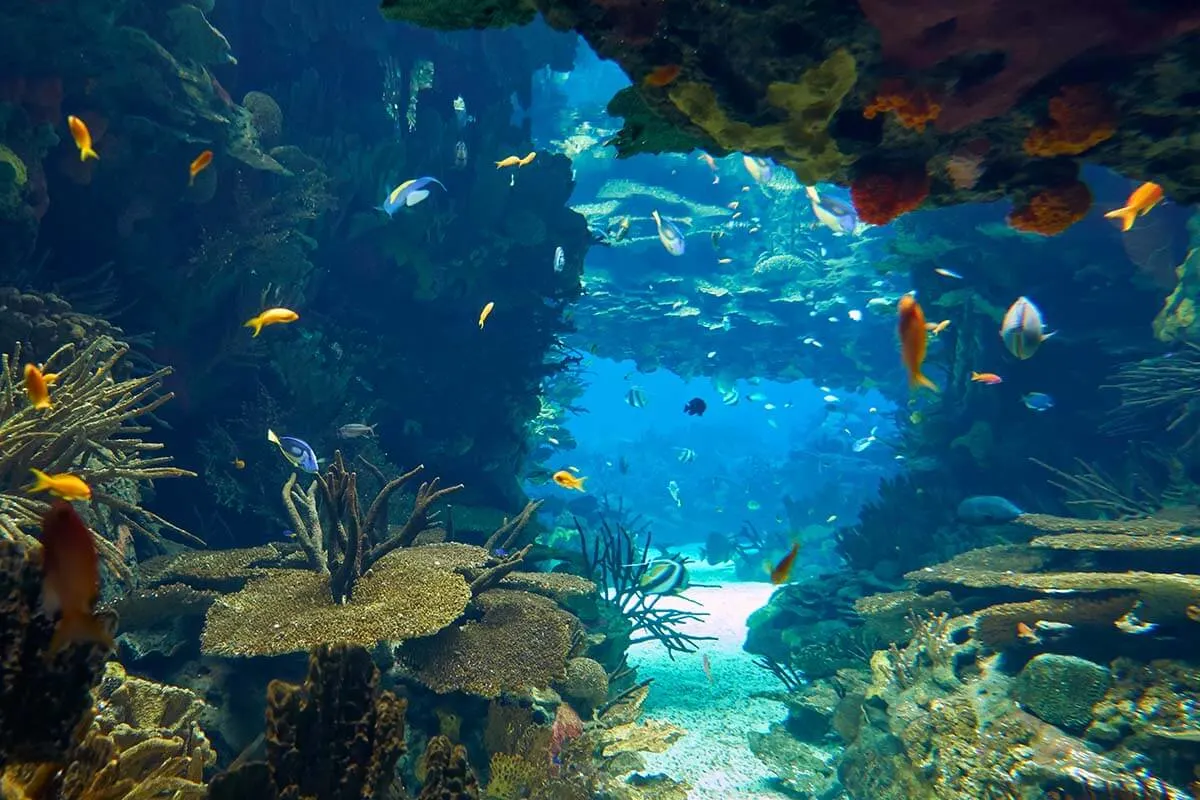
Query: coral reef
x=972, y=70
x=45, y=706
x=336, y=737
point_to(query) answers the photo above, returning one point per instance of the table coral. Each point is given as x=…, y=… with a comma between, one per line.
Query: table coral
x=521, y=642
x=1051, y=211
x=1081, y=117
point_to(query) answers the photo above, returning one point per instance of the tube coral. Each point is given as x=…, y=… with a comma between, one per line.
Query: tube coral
x=1053, y=210
x=1080, y=118
x=914, y=107
x=880, y=197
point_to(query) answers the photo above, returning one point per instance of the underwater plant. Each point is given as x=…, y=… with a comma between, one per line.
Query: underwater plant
x=617, y=565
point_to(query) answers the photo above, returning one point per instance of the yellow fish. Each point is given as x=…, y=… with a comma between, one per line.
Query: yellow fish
x=487, y=311
x=568, y=481
x=272, y=316
x=935, y=328
x=510, y=161
x=37, y=388
x=66, y=486
x=82, y=137
x=527, y=160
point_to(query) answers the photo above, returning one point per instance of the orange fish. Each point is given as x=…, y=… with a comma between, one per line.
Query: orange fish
x=1144, y=198
x=1027, y=633
x=783, y=570
x=64, y=485
x=238, y=463
x=198, y=165
x=82, y=137
x=272, y=316
x=662, y=76
x=913, y=341
x=72, y=577
x=990, y=378
x=568, y=481
x=36, y=387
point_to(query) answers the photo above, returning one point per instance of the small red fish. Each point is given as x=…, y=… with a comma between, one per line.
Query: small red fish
x=990, y=378
x=783, y=570
x=913, y=341
x=198, y=165
x=72, y=577
x=662, y=76
x=1143, y=198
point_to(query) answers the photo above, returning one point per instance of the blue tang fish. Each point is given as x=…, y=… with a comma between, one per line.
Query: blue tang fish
x=832, y=213
x=1038, y=401
x=295, y=451
x=408, y=193
x=669, y=235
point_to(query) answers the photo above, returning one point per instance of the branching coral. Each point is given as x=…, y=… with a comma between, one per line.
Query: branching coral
x=1160, y=391
x=90, y=431
x=617, y=565
x=1081, y=117
x=880, y=197
x=1092, y=489
x=914, y=107
x=339, y=538
x=1051, y=211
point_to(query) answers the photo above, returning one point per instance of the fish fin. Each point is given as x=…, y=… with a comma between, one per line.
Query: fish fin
x=920, y=380
x=416, y=197
x=80, y=628
x=811, y=191
x=1126, y=215
x=1046, y=336
x=256, y=324
x=86, y=153
x=272, y=438
x=41, y=481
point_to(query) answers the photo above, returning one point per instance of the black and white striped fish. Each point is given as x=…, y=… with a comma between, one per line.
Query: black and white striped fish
x=636, y=397
x=664, y=576
x=686, y=455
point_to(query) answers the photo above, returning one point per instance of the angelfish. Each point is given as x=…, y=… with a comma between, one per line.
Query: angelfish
x=408, y=193
x=669, y=235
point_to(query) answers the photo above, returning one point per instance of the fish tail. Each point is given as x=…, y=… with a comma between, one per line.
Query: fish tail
x=918, y=379
x=271, y=437
x=191, y=180
x=79, y=628
x=974, y=375
x=255, y=323
x=41, y=481
x=87, y=152
x=579, y=484
x=1126, y=215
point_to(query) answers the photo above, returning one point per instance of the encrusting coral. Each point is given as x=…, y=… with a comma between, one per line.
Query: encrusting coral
x=336, y=737
x=90, y=431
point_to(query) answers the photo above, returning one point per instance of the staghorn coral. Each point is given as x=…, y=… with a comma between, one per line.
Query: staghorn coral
x=520, y=642
x=881, y=196
x=336, y=737
x=91, y=432
x=1081, y=117
x=1052, y=210
x=44, y=700
x=914, y=107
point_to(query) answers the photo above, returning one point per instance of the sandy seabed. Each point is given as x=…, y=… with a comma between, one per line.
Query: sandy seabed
x=714, y=757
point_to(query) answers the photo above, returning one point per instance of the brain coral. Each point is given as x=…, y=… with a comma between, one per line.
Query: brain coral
x=410, y=593
x=266, y=114
x=521, y=642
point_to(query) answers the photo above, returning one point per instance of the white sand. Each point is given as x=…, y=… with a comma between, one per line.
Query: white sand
x=714, y=756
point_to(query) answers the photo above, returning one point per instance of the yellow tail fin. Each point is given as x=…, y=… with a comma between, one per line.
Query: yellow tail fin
x=87, y=153
x=1127, y=215
x=255, y=323
x=920, y=380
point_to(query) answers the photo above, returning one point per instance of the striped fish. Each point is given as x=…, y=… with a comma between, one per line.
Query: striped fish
x=1022, y=329
x=686, y=455
x=636, y=398
x=664, y=576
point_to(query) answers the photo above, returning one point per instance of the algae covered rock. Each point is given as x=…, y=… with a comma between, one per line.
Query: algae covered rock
x=586, y=680
x=1061, y=689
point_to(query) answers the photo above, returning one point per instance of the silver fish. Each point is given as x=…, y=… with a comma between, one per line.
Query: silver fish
x=354, y=430
x=673, y=489
x=686, y=455
x=560, y=259
x=1022, y=329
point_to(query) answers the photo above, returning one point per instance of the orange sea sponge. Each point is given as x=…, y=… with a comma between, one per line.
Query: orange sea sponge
x=914, y=107
x=1051, y=211
x=1081, y=117
x=880, y=197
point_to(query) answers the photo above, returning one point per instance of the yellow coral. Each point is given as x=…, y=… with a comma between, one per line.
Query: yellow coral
x=810, y=104
x=511, y=777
